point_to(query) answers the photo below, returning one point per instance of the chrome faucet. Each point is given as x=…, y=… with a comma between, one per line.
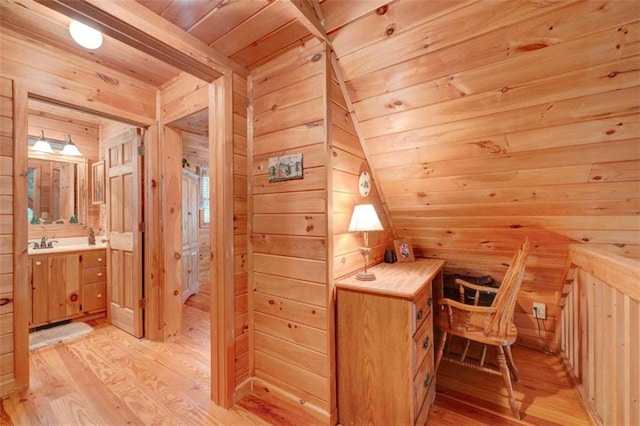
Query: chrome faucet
x=43, y=242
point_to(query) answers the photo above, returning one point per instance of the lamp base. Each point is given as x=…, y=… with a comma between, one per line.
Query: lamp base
x=365, y=276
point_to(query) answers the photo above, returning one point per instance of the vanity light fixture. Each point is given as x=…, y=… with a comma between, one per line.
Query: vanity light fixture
x=71, y=149
x=85, y=36
x=42, y=145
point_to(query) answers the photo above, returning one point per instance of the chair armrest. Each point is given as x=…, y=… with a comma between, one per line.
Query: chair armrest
x=465, y=307
x=475, y=286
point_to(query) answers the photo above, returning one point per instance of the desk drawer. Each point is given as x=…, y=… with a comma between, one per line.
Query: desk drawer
x=421, y=309
x=423, y=380
x=92, y=275
x=422, y=343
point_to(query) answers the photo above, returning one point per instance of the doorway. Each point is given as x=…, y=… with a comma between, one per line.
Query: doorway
x=79, y=281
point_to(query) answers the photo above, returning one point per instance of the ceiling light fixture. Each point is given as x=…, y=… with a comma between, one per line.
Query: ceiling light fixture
x=71, y=149
x=42, y=145
x=85, y=36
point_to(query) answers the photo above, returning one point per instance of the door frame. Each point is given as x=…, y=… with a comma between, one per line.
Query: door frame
x=220, y=98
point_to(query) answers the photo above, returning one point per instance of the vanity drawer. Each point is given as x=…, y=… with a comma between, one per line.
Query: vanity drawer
x=94, y=258
x=92, y=275
x=94, y=296
x=421, y=309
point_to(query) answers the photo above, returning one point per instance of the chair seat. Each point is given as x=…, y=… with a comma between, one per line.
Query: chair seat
x=475, y=333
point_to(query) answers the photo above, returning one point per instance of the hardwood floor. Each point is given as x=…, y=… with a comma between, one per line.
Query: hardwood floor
x=111, y=378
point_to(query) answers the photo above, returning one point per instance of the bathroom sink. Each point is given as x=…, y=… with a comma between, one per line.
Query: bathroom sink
x=62, y=245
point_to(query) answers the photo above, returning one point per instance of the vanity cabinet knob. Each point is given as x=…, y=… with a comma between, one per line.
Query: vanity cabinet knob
x=99, y=274
x=38, y=263
x=99, y=259
x=419, y=314
x=99, y=296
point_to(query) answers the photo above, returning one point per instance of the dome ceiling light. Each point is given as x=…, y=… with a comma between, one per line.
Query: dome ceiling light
x=85, y=36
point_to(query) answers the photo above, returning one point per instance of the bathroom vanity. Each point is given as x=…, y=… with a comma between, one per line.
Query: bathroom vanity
x=67, y=282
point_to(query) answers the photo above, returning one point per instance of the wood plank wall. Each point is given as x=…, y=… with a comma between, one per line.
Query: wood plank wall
x=347, y=162
x=289, y=236
x=240, y=231
x=490, y=121
x=7, y=371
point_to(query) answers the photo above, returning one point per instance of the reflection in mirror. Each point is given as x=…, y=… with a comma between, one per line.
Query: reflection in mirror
x=56, y=189
x=52, y=192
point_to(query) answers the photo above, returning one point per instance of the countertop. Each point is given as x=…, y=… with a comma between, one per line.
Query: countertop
x=64, y=245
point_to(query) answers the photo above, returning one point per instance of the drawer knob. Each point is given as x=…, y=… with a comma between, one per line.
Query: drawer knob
x=429, y=302
x=99, y=274
x=419, y=314
x=99, y=259
x=427, y=380
x=99, y=296
x=38, y=263
x=425, y=343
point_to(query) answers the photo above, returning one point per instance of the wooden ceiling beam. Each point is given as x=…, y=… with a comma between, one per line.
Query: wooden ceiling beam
x=133, y=24
x=307, y=15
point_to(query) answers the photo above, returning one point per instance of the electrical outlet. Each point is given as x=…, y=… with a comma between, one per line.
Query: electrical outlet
x=539, y=310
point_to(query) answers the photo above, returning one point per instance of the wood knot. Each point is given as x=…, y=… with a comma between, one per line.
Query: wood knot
x=390, y=30
x=176, y=292
x=382, y=10
x=177, y=255
x=316, y=57
x=612, y=74
x=597, y=178
x=107, y=79
x=610, y=132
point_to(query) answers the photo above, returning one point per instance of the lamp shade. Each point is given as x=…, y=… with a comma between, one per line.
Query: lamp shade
x=71, y=149
x=42, y=145
x=364, y=218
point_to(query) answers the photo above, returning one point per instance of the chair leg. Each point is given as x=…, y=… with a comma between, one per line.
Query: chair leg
x=512, y=365
x=439, y=350
x=506, y=376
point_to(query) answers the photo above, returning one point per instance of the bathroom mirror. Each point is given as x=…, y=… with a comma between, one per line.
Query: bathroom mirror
x=56, y=189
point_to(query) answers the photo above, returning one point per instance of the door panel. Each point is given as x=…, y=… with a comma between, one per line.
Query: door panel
x=124, y=184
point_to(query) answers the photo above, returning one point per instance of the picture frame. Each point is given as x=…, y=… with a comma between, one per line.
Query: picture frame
x=286, y=167
x=404, y=251
x=98, y=188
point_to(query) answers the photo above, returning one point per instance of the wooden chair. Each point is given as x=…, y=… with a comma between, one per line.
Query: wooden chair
x=489, y=325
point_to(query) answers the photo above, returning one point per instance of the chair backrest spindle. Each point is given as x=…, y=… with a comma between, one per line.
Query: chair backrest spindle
x=505, y=299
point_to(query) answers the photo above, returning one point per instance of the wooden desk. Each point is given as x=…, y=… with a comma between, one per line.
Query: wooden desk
x=385, y=344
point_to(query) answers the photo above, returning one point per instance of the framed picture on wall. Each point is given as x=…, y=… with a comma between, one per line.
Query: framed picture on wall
x=98, y=190
x=404, y=251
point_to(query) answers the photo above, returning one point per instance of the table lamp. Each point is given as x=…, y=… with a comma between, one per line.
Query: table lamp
x=365, y=219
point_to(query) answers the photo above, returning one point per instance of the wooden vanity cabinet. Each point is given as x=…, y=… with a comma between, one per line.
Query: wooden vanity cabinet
x=67, y=285
x=385, y=344
x=55, y=286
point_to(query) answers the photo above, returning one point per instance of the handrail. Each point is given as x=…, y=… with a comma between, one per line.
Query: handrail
x=622, y=273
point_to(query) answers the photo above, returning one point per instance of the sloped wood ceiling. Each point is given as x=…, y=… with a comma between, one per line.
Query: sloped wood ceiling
x=489, y=121
x=248, y=32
